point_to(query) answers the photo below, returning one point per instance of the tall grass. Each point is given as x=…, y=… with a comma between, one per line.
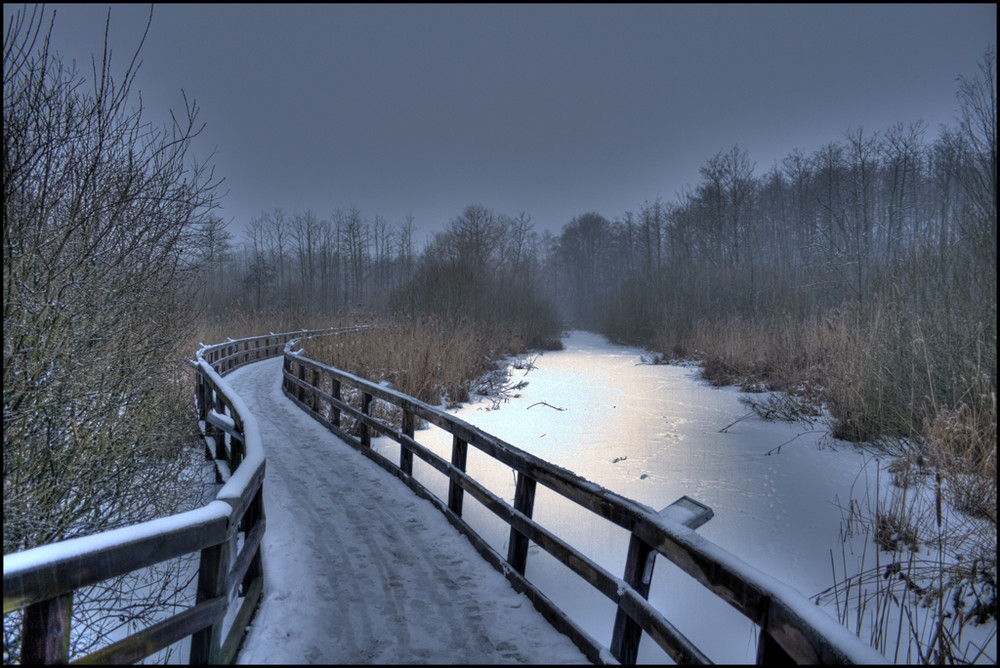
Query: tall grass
x=882, y=371
x=921, y=387
x=923, y=587
x=236, y=324
x=431, y=358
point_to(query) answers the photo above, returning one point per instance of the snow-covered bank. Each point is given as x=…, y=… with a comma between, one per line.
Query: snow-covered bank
x=360, y=570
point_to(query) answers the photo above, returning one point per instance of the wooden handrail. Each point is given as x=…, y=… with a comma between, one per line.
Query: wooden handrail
x=41, y=581
x=791, y=627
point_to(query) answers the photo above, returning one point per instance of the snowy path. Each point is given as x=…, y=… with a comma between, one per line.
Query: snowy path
x=360, y=570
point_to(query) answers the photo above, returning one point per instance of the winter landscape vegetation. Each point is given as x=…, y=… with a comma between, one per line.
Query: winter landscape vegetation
x=811, y=351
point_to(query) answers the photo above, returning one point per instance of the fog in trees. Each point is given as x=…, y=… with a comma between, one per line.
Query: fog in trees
x=877, y=216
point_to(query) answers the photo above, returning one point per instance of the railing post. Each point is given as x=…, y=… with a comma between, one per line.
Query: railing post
x=456, y=493
x=405, y=454
x=524, y=502
x=335, y=391
x=222, y=451
x=366, y=408
x=314, y=398
x=626, y=633
x=199, y=393
x=639, y=564
x=254, y=515
x=237, y=447
x=300, y=391
x=769, y=652
x=45, y=631
x=206, y=645
x=206, y=404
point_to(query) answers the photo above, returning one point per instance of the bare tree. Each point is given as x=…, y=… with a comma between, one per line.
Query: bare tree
x=354, y=240
x=259, y=272
x=978, y=118
x=100, y=209
x=307, y=232
x=901, y=147
x=277, y=233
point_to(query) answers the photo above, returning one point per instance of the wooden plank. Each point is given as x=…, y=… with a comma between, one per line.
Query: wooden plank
x=302, y=385
x=206, y=644
x=405, y=454
x=335, y=386
x=164, y=633
x=238, y=629
x=45, y=630
x=524, y=503
x=248, y=552
x=255, y=515
x=626, y=632
x=314, y=382
x=63, y=575
x=459, y=452
x=366, y=407
x=241, y=503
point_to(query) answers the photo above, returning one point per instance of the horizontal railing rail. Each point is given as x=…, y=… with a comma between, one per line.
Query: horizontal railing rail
x=226, y=533
x=791, y=628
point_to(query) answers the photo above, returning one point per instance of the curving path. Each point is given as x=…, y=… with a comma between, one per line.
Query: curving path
x=360, y=570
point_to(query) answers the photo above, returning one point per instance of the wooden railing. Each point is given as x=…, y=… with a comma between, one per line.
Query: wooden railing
x=791, y=628
x=226, y=533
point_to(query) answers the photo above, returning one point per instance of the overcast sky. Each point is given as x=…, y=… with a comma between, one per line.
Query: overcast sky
x=553, y=110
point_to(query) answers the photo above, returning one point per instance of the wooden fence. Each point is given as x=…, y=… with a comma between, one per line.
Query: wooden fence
x=791, y=628
x=226, y=533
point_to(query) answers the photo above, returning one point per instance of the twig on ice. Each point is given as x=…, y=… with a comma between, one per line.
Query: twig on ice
x=777, y=449
x=543, y=403
x=723, y=430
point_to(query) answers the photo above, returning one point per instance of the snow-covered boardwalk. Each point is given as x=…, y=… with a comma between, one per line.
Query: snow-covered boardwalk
x=360, y=570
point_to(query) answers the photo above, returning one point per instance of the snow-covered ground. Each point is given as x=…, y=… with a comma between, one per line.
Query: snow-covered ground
x=360, y=570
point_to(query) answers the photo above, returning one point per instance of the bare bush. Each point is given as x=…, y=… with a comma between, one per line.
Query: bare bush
x=101, y=215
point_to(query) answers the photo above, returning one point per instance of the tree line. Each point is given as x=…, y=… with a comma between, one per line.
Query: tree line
x=887, y=237
x=875, y=213
x=875, y=220
x=483, y=266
